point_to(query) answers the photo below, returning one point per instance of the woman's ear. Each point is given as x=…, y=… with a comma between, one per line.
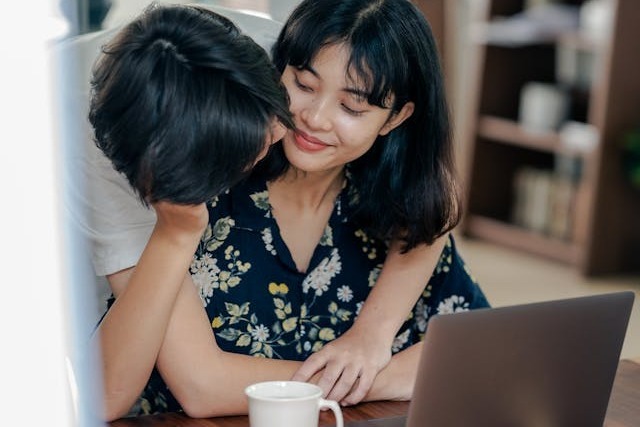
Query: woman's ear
x=396, y=119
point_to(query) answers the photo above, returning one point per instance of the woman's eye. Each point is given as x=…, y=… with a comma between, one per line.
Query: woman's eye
x=301, y=86
x=351, y=111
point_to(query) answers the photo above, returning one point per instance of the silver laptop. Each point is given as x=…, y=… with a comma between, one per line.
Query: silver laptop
x=542, y=364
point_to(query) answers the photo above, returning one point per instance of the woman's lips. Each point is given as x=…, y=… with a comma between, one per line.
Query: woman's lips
x=308, y=143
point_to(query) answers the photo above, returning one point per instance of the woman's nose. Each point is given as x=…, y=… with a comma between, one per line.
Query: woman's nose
x=317, y=115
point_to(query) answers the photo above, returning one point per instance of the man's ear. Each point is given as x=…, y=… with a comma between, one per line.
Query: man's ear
x=396, y=119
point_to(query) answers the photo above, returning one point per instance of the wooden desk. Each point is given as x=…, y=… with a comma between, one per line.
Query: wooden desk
x=624, y=408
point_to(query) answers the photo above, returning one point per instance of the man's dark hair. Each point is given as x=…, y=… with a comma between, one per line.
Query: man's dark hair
x=182, y=103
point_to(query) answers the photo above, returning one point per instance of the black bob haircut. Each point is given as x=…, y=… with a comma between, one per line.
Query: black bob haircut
x=182, y=103
x=406, y=181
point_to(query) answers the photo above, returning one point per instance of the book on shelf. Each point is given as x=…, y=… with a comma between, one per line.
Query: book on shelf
x=543, y=202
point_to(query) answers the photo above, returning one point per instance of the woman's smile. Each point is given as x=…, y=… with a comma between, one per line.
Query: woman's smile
x=308, y=143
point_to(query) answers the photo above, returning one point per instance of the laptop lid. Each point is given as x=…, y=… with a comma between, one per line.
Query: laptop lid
x=542, y=364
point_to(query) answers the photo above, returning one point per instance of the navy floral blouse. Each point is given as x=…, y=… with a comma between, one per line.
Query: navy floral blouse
x=259, y=304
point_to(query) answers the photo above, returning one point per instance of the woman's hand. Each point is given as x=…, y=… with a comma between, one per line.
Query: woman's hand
x=350, y=365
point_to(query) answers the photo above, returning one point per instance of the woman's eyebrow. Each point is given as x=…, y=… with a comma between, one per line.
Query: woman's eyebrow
x=358, y=93
x=310, y=69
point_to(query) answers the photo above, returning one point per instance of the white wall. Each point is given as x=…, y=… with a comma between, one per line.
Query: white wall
x=33, y=316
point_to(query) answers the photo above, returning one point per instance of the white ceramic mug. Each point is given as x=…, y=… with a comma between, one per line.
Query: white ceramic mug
x=288, y=404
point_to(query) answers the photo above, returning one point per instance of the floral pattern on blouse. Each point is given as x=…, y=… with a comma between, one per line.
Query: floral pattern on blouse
x=259, y=304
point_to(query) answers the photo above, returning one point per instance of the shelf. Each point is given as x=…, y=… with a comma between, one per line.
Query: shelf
x=578, y=40
x=480, y=33
x=518, y=238
x=604, y=105
x=511, y=132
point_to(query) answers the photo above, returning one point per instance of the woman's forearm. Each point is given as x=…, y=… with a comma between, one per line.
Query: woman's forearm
x=402, y=280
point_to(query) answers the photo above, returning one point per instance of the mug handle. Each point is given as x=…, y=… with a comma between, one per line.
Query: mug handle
x=337, y=411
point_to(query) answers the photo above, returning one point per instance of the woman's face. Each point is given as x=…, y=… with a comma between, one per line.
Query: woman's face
x=335, y=123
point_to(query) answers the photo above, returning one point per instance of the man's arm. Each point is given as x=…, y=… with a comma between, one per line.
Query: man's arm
x=158, y=317
x=132, y=331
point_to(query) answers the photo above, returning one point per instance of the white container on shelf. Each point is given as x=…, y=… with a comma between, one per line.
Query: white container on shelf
x=596, y=17
x=543, y=106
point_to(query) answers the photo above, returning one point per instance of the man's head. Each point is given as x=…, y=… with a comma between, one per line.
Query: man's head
x=183, y=104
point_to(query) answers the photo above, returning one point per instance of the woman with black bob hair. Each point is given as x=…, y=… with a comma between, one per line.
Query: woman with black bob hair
x=183, y=103
x=406, y=180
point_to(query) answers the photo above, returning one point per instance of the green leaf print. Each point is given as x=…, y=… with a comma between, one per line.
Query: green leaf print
x=220, y=232
x=256, y=347
x=276, y=328
x=327, y=334
x=333, y=307
x=268, y=351
x=237, y=310
x=229, y=334
x=261, y=200
x=343, y=315
x=290, y=324
x=244, y=340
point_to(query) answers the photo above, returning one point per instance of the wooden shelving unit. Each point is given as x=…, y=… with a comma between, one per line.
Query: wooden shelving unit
x=510, y=132
x=605, y=215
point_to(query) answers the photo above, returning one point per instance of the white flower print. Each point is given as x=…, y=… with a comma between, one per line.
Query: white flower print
x=421, y=315
x=445, y=261
x=327, y=237
x=321, y=276
x=345, y=294
x=453, y=304
x=359, y=307
x=374, y=274
x=400, y=340
x=260, y=333
x=267, y=238
x=204, y=272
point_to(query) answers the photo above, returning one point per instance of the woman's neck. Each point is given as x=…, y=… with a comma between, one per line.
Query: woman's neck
x=307, y=190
